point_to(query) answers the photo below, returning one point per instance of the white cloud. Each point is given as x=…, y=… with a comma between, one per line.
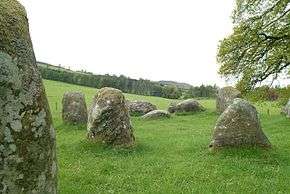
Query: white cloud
x=153, y=39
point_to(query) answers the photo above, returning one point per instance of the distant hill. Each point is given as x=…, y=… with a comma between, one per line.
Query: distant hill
x=180, y=85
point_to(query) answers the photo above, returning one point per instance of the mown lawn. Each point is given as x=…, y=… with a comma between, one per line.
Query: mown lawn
x=171, y=156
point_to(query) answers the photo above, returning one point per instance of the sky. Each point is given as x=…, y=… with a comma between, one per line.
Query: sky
x=173, y=40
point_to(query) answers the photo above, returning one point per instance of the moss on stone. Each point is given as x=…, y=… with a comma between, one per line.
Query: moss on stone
x=27, y=143
x=238, y=126
x=74, y=108
x=111, y=94
x=109, y=120
x=13, y=26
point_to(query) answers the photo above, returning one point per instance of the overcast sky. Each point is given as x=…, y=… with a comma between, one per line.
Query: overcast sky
x=151, y=39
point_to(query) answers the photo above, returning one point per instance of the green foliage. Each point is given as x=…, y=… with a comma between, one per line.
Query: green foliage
x=264, y=93
x=259, y=46
x=11, y=20
x=171, y=156
x=171, y=92
x=201, y=92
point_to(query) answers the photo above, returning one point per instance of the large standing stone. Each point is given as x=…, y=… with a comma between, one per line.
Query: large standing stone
x=109, y=119
x=74, y=108
x=187, y=106
x=139, y=108
x=156, y=114
x=27, y=137
x=225, y=98
x=239, y=125
x=286, y=109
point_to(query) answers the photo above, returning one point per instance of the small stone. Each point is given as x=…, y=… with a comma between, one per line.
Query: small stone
x=139, y=108
x=156, y=114
x=187, y=106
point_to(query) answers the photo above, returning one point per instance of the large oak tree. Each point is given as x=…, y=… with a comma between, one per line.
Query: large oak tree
x=259, y=46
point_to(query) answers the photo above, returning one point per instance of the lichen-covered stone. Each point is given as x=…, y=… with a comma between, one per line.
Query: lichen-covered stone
x=109, y=120
x=187, y=106
x=156, y=114
x=238, y=126
x=74, y=108
x=286, y=110
x=27, y=138
x=139, y=108
x=225, y=97
x=172, y=107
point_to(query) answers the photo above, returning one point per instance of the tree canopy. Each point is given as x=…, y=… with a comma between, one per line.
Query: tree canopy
x=259, y=47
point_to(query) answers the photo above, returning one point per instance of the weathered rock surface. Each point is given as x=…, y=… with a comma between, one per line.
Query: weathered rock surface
x=286, y=110
x=74, y=108
x=239, y=125
x=186, y=106
x=172, y=107
x=225, y=97
x=156, y=114
x=109, y=120
x=139, y=108
x=27, y=137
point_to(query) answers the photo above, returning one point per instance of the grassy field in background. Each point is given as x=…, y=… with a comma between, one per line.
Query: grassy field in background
x=171, y=156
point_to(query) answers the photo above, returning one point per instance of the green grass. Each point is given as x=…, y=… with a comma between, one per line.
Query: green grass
x=171, y=156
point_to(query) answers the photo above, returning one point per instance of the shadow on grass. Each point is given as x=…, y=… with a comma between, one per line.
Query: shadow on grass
x=98, y=148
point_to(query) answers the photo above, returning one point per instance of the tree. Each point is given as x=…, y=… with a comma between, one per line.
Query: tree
x=259, y=47
x=171, y=92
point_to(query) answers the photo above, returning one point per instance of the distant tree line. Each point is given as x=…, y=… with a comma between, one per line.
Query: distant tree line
x=126, y=84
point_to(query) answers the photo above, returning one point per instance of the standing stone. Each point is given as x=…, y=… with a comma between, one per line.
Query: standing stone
x=74, y=108
x=238, y=126
x=139, y=108
x=225, y=97
x=109, y=120
x=27, y=137
x=286, y=109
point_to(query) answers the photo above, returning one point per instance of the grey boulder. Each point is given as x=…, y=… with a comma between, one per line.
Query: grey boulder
x=172, y=107
x=239, y=126
x=139, y=108
x=286, y=110
x=187, y=106
x=74, y=109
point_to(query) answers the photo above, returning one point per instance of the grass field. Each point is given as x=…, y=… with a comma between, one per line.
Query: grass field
x=171, y=156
